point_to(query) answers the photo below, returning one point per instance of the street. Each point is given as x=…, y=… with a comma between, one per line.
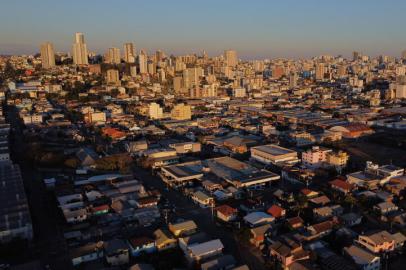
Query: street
x=186, y=209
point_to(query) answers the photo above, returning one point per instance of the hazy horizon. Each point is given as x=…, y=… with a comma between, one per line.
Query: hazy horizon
x=257, y=29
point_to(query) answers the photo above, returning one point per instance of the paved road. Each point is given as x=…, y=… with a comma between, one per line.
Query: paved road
x=186, y=209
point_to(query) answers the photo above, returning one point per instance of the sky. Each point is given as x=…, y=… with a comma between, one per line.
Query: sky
x=257, y=29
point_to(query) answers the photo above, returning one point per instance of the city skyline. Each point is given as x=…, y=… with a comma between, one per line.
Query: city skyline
x=256, y=30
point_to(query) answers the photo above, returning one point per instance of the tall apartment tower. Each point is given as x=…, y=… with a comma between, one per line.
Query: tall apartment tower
x=79, y=50
x=129, y=52
x=113, y=56
x=47, y=55
x=320, y=70
x=231, y=58
x=143, y=62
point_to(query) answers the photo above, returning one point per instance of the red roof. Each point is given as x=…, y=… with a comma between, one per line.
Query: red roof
x=341, y=184
x=100, y=208
x=113, y=132
x=356, y=127
x=226, y=210
x=295, y=221
x=276, y=211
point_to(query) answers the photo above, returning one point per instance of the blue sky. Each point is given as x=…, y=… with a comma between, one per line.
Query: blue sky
x=255, y=28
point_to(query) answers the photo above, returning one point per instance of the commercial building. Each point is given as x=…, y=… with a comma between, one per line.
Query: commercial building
x=273, y=154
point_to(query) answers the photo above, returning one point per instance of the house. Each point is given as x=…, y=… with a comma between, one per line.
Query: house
x=309, y=193
x=164, y=240
x=276, y=211
x=363, y=258
x=87, y=157
x=86, y=253
x=116, y=252
x=136, y=146
x=385, y=208
x=211, y=186
x=319, y=230
x=378, y=242
x=350, y=219
x=320, y=200
x=202, y=199
x=226, y=213
x=203, y=251
x=341, y=186
x=400, y=240
x=146, y=202
x=256, y=219
x=141, y=245
x=187, y=227
x=113, y=133
x=287, y=252
x=258, y=234
x=197, y=238
x=295, y=222
x=239, y=144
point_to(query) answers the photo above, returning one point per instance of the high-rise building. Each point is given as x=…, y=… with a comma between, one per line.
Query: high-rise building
x=143, y=62
x=181, y=112
x=47, y=55
x=231, y=58
x=356, y=56
x=191, y=76
x=177, y=84
x=155, y=111
x=401, y=87
x=129, y=52
x=320, y=70
x=278, y=71
x=293, y=79
x=79, y=50
x=113, y=56
x=112, y=77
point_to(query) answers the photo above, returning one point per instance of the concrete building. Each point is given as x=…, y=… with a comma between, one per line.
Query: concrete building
x=155, y=111
x=230, y=57
x=79, y=50
x=129, y=52
x=113, y=56
x=273, y=154
x=47, y=55
x=112, y=77
x=181, y=112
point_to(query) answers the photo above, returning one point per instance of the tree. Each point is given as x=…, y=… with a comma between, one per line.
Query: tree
x=301, y=203
x=349, y=199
